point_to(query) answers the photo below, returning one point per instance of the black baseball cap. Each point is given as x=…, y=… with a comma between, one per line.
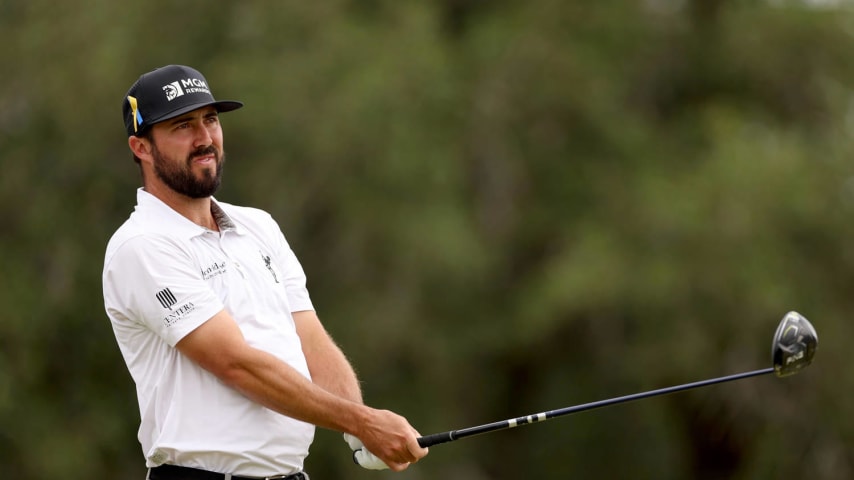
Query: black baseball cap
x=165, y=93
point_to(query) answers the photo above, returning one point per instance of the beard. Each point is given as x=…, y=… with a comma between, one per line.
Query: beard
x=180, y=177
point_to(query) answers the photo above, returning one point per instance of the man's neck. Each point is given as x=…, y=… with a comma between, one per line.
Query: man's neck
x=196, y=210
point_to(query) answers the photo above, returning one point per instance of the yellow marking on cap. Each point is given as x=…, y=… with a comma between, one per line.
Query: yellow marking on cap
x=135, y=112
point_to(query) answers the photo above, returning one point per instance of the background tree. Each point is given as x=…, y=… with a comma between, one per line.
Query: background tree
x=502, y=207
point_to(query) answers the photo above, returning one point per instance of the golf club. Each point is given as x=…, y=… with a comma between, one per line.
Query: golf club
x=793, y=348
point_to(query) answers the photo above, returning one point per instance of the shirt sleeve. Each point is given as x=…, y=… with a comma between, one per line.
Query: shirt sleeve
x=295, y=280
x=156, y=283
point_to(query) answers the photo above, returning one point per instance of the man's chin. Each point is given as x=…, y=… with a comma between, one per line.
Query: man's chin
x=202, y=187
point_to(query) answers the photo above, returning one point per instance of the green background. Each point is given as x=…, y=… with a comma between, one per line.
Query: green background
x=502, y=207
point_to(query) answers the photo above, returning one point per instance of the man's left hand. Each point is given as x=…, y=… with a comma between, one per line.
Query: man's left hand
x=362, y=456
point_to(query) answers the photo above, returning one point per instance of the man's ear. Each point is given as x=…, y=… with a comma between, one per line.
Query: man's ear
x=140, y=147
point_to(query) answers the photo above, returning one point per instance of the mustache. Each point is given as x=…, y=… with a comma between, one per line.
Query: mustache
x=199, y=152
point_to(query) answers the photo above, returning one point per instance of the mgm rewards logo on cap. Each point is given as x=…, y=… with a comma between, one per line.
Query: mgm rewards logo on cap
x=190, y=85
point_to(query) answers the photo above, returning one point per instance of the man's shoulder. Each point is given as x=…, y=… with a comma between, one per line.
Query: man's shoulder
x=128, y=230
x=136, y=235
x=249, y=217
x=240, y=212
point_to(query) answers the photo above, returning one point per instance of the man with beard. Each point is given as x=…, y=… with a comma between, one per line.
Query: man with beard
x=209, y=306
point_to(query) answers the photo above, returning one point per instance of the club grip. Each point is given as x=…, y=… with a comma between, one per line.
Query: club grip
x=435, y=439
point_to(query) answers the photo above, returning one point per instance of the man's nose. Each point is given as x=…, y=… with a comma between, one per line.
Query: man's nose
x=203, y=137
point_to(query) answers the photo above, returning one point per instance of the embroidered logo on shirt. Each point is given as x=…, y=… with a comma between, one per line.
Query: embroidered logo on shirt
x=166, y=298
x=178, y=314
x=269, y=265
x=215, y=269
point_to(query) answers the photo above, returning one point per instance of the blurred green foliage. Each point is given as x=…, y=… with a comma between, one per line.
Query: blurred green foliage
x=502, y=208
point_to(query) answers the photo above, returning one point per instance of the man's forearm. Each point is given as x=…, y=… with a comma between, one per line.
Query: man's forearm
x=279, y=387
x=337, y=376
x=327, y=364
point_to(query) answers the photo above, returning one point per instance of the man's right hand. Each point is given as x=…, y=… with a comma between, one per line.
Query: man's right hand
x=390, y=438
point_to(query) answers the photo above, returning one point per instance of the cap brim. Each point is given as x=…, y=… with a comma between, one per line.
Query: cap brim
x=221, y=106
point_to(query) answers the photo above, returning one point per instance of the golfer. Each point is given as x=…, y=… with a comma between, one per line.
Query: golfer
x=208, y=303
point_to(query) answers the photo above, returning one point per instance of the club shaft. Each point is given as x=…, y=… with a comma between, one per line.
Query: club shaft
x=437, y=438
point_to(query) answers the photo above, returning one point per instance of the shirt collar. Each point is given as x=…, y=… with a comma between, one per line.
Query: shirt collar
x=225, y=223
x=161, y=217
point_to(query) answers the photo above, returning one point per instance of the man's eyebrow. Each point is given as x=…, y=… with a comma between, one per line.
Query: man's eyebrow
x=180, y=119
x=187, y=117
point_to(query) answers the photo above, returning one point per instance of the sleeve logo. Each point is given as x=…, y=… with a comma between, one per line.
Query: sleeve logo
x=166, y=298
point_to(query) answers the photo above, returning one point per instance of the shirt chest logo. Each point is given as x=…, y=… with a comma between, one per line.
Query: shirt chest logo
x=216, y=268
x=269, y=264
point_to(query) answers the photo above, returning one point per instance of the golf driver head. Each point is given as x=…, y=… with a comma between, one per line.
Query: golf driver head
x=794, y=344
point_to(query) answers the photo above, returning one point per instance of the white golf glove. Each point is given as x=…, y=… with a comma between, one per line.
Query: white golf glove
x=362, y=456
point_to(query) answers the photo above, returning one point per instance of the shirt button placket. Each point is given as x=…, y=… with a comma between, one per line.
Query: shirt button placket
x=237, y=266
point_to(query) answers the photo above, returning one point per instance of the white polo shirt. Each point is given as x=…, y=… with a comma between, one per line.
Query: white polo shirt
x=163, y=277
